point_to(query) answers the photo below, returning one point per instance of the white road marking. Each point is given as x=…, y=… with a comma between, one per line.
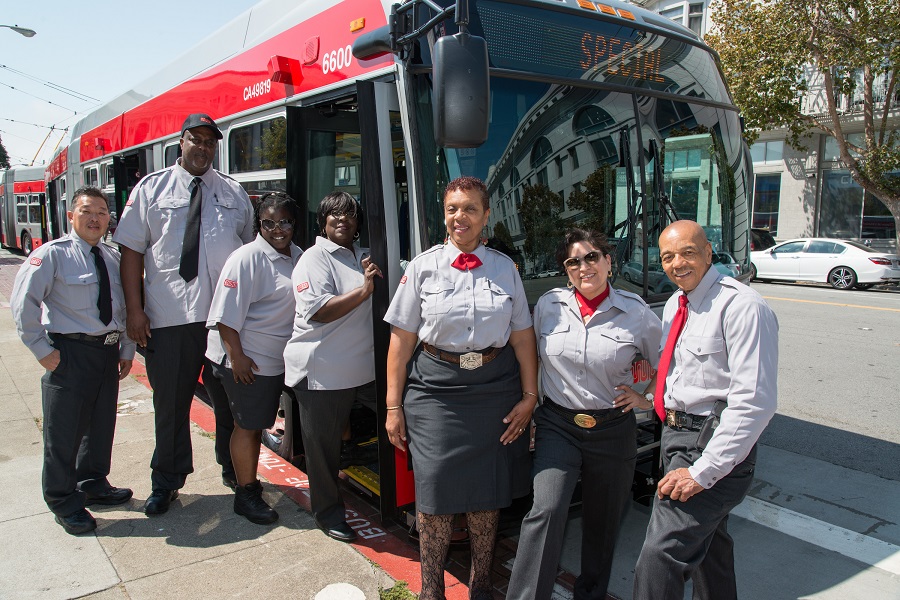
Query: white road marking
x=340, y=591
x=871, y=551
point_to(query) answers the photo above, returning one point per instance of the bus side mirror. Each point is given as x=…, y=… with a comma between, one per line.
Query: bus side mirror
x=461, y=91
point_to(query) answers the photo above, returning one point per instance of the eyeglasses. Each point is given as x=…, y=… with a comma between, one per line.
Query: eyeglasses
x=208, y=143
x=340, y=215
x=270, y=225
x=574, y=262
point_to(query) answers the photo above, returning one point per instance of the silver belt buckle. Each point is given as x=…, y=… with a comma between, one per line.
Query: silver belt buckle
x=470, y=361
x=111, y=338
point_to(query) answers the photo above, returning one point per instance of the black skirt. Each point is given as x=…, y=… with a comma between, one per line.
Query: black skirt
x=454, y=420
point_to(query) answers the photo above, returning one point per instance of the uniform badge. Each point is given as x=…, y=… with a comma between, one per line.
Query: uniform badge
x=230, y=283
x=35, y=261
x=129, y=203
x=303, y=286
x=403, y=280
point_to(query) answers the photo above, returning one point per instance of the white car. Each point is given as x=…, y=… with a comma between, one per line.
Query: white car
x=841, y=263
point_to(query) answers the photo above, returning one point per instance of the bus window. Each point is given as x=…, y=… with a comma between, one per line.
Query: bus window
x=258, y=146
x=172, y=152
x=22, y=209
x=91, y=177
x=109, y=177
x=34, y=209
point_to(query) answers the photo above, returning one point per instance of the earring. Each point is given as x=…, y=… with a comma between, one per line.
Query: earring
x=569, y=284
x=356, y=235
x=610, y=273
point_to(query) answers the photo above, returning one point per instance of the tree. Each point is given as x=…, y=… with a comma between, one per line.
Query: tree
x=4, y=157
x=775, y=52
x=540, y=212
x=596, y=199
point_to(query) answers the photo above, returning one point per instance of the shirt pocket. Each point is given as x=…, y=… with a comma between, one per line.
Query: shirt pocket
x=708, y=362
x=437, y=297
x=500, y=300
x=173, y=214
x=617, y=347
x=553, y=338
x=81, y=293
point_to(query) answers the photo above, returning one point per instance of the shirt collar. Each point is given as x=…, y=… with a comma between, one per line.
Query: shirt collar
x=452, y=251
x=696, y=295
x=613, y=300
x=270, y=252
x=208, y=178
x=80, y=243
x=333, y=247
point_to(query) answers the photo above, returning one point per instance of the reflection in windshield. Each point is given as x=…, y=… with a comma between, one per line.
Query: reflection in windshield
x=552, y=160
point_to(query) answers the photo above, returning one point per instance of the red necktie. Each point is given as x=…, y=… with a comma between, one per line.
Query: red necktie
x=466, y=261
x=665, y=360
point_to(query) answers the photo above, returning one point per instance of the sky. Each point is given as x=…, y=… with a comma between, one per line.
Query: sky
x=97, y=48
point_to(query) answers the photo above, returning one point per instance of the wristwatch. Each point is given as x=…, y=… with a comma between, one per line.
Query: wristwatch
x=649, y=397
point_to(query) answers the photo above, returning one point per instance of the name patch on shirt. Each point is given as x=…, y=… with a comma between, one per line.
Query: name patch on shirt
x=303, y=286
x=230, y=283
x=403, y=280
x=35, y=261
x=129, y=203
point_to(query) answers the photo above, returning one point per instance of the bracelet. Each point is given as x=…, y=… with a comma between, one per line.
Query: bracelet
x=394, y=407
x=529, y=394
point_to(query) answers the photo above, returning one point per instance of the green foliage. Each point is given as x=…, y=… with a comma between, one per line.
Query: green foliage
x=400, y=591
x=540, y=212
x=787, y=61
x=4, y=157
x=597, y=199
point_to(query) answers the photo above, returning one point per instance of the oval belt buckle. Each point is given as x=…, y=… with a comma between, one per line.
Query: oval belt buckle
x=586, y=421
x=470, y=361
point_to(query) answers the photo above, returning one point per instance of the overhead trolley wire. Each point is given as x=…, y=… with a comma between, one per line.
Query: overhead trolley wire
x=51, y=85
x=38, y=97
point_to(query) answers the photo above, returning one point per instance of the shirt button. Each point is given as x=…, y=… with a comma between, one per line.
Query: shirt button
x=468, y=288
x=581, y=372
x=469, y=328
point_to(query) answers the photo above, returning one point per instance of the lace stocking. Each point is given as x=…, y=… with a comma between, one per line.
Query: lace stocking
x=483, y=534
x=434, y=543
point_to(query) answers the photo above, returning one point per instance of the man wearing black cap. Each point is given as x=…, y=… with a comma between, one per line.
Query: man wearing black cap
x=178, y=227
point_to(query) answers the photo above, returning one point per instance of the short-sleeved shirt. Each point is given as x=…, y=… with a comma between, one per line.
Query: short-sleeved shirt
x=460, y=311
x=728, y=350
x=56, y=291
x=254, y=298
x=338, y=355
x=153, y=224
x=582, y=363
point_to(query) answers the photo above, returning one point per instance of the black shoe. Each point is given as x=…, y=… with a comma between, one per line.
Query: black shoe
x=230, y=481
x=159, y=501
x=248, y=502
x=340, y=532
x=109, y=497
x=78, y=522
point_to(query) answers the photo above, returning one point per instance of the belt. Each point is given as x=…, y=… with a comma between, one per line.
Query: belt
x=586, y=419
x=107, y=339
x=469, y=360
x=683, y=420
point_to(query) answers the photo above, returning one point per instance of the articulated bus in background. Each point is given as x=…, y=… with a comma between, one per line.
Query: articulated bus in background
x=23, y=222
x=574, y=112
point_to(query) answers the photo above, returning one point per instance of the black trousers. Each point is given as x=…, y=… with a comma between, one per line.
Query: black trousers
x=79, y=404
x=690, y=540
x=323, y=416
x=175, y=359
x=604, y=459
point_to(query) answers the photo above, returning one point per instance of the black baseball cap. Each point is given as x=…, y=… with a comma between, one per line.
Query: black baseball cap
x=200, y=120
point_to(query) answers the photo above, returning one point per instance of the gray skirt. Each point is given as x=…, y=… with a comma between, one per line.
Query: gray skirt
x=454, y=420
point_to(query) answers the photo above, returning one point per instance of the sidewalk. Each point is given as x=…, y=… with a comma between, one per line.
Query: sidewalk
x=199, y=549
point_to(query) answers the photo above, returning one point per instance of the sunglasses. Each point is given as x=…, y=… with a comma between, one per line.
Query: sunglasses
x=340, y=215
x=270, y=225
x=574, y=262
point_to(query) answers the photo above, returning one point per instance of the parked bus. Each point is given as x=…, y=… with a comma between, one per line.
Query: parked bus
x=574, y=113
x=23, y=223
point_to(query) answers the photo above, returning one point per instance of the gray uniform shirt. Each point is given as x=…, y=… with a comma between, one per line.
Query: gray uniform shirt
x=254, y=298
x=153, y=224
x=460, y=311
x=728, y=350
x=337, y=355
x=56, y=291
x=582, y=363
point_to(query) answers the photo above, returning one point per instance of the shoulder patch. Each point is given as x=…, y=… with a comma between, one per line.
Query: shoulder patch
x=35, y=261
x=303, y=286
x=231, y=283
x=403, y=280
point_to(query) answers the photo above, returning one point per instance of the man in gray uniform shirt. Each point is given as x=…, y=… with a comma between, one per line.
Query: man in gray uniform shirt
x=178, y=228
x=74, y=283
x=720, y=358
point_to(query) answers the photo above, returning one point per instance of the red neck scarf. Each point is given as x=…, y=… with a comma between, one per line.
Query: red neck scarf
x=587, y=307
x=466, y=261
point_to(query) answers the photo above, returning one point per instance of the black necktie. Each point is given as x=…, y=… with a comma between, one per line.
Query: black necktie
x=104, y=300
x=190, y=248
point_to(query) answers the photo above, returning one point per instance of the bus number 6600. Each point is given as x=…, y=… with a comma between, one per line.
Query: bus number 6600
x=336, y=60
